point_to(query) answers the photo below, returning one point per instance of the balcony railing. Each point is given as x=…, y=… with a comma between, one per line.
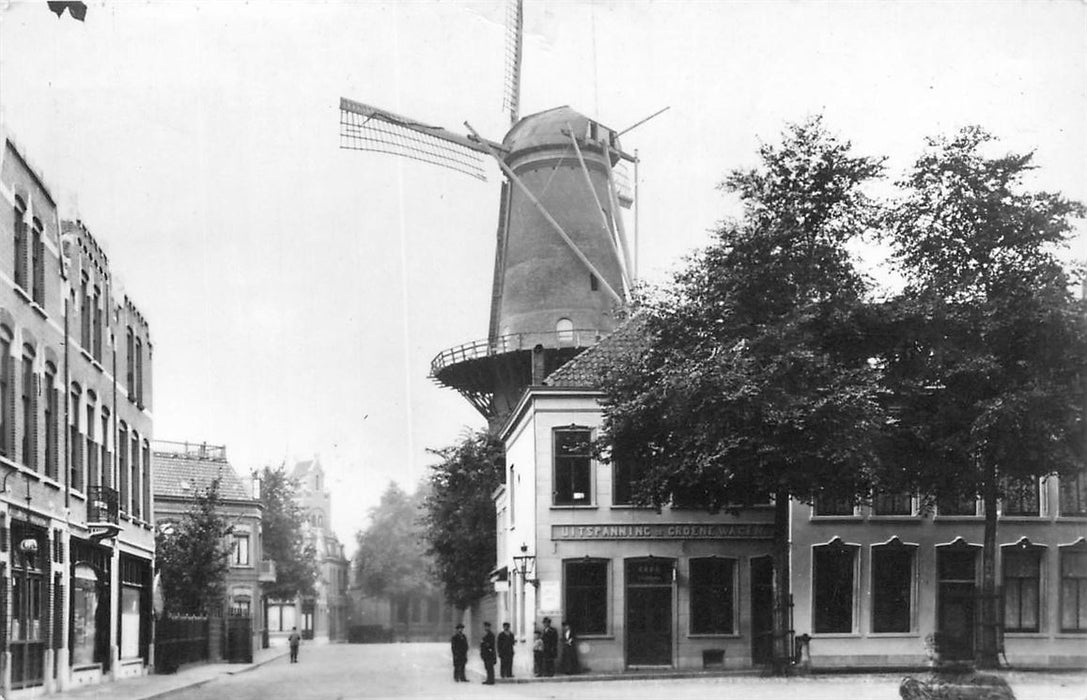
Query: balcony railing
x=575, y=338
x=190, y=450
x=267, y=571
x=103, y=505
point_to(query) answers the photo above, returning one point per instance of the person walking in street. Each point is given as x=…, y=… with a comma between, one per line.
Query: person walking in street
x=569, y=665
x=537, y=654
x=293, y=641
x=505, y=651
x=550, y=647
x=459, y=644
x=486, y=652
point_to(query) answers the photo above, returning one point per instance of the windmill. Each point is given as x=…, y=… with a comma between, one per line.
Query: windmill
x=563, y=263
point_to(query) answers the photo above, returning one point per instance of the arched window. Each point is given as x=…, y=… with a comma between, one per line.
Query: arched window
x=29, y=405
x=123, y=474
x=564, y=328
x=52, y=401
x=37, y=265
x=75, y=459
x=19, y=231
x=7, y=395
x=833, y=582
x=892, y=586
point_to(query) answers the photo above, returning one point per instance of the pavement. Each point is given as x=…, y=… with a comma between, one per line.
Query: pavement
x=162, y=685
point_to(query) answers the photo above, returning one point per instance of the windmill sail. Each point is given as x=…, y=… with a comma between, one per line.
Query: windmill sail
x=366, y=128
x=511, y=96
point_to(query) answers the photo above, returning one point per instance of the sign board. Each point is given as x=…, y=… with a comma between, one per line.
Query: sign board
x=658, y=531
x=550, y=597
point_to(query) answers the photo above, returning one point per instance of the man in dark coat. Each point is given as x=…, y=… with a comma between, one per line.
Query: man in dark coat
x=459, y=643
x=550, y=647
x=505, y=651
x=486, y=652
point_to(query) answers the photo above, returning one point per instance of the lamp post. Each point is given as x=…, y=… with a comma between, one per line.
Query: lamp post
x=525, y=565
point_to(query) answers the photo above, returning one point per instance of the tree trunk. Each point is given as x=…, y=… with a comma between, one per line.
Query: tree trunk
x=987, y=652
x=782, y=651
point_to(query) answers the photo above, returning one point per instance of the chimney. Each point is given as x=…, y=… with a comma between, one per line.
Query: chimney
x=538, y=371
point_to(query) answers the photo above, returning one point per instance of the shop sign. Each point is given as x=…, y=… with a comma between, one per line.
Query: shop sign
x=658, y=531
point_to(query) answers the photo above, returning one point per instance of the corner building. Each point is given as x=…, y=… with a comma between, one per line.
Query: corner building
x=681, y=588
x=76, y=541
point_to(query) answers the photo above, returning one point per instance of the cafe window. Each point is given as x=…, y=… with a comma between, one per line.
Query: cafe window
x=712, y=583
x=625, y=475
x=833, y=581
x=1074, y=588
x=1022, y=577
x=573, y=467
x=892, y=587
x=586, y=595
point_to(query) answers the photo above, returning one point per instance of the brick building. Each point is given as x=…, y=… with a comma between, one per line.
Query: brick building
x=76, y=541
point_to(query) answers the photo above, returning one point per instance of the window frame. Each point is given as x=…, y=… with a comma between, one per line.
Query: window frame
x=712, y=589
x=837, y=548
x=241, y=556
x=557, y=465
x=1007, y=552
x=598, y=596
x=1076, y=485
x=876, y=551
x=1018, y=493
x=1079, y=549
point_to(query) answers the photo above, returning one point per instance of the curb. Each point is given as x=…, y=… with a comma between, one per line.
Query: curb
x=204, y=681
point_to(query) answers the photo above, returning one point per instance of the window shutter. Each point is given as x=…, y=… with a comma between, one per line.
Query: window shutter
x=54, y=436
x=9, y=407
x=32, y=458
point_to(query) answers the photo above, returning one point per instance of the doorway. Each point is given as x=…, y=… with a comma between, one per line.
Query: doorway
x=649, y=611
x=762, y=610
x=956, y=615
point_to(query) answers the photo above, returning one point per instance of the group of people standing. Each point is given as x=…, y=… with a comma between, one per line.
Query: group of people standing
x=546, y=648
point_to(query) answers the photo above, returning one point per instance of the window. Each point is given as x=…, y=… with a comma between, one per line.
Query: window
x=106, y=465
x=957, y=505
x=892, y=584
x=93, y=477
x=139, y=372
x=625, y=474
x=85, y=313
x=96, y=311
x=135, y=476
x=831, y=504
x=565, y=330
x=1020, y=497
x=29, y=405
x=832, y=579
x=712, y=599
x=894, y=503
x=74, y=441
x=573, y=461
x=241, y=549
x=7, y=421
x=20, y=243
x=1074, y=588
x=122, y=465
x=130, y=364
x=1022, y=571
x=1073, y=491
x=586, y=594
x=51, y=415
x=37, y=265
x=146, y=480
x=594, y=284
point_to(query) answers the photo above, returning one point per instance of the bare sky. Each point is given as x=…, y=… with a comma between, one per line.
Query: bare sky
x=297, y=293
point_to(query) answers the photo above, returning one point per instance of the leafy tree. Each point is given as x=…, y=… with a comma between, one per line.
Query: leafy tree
x=989, y=352
x=459, y=517
x=754, y=382
x=284, y=539
x=194, y=556
x=391, y=557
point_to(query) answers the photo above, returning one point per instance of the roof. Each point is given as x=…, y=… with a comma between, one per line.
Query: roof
x=585, y=370
x=180, y=476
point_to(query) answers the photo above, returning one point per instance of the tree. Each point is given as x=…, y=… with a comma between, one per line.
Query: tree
x=194, y=556
x=754, y=382
x=987, y=364
x=459, y=517
x=284, y=540
x=390, y=559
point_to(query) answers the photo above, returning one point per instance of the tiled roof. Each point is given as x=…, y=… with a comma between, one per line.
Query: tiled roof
x=584, y=371
x=178, y=476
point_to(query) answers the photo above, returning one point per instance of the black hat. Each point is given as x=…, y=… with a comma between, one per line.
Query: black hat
x=486, y=624
x=460, y=625
x=547, y=620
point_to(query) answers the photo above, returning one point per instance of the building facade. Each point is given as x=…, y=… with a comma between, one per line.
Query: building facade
x=873, y=585
x=76, y=540
x=182, y=471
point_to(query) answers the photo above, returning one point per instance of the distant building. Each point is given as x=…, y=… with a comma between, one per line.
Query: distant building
x=182, y=471
x=76, y=540
x=324, y=614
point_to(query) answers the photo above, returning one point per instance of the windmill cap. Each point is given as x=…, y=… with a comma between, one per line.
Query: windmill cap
x=547, y=129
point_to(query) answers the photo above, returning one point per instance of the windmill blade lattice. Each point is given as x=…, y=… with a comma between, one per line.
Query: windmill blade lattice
x=366, y=128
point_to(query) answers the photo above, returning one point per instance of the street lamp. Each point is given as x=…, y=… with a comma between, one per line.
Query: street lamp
x=525, y=564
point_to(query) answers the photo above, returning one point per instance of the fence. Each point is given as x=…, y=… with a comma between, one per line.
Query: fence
x=180, y=640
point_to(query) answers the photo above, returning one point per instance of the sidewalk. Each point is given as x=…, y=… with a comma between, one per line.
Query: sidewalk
x=162, y=685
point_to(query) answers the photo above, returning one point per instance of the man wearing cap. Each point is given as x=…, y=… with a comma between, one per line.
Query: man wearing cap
x=486, y=652
x=550, y=647
x=459, y=643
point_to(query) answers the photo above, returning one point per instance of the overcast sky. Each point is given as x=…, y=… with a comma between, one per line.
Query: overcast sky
x=296, y=292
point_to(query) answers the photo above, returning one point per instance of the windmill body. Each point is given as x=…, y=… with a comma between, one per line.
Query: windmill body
x=562, y=265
